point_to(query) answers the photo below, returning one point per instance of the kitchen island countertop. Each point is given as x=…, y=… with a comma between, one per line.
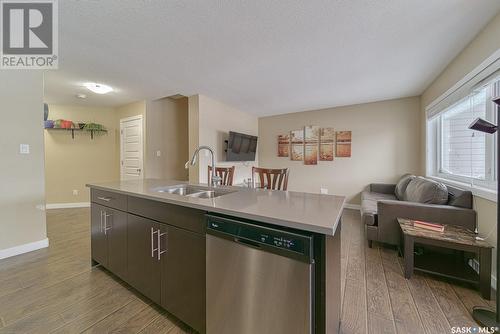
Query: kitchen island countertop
x=304, y=211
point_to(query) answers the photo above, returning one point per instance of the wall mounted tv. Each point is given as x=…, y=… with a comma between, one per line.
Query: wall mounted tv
x=241, y=147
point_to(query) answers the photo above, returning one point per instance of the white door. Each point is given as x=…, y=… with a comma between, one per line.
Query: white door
x=131, y=149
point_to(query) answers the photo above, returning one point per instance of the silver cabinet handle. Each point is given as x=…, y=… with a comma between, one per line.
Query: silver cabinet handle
x=160, y=252
x=105, y=199
x=101, y=222
x=106, y=228
x=153, y=249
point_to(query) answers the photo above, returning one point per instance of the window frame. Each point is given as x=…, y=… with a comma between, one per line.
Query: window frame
x=486, y=188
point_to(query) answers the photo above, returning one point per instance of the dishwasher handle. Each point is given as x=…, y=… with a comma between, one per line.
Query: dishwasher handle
x=247, y=242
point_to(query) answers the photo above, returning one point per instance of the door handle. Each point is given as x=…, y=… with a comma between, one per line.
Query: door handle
x=106, y=228
x=160, y=252
x=105, y=199
x=153, y=249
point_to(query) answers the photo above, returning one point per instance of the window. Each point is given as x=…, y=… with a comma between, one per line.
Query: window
x=458, y=154
x=463, y=152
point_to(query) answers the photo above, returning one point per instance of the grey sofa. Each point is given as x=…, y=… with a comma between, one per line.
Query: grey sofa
x=413, y=197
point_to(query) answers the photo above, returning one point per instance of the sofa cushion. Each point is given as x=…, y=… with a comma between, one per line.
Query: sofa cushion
x=373, y=196
x=422, y=190
x=401, y=186
x=369, y=205
x=459, y=198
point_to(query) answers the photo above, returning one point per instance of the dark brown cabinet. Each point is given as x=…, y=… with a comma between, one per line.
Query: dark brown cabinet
x=98, y=239
x=167, y=265
x=158, y=248
x=144, y=272
x=183, y=275
x=109, y=238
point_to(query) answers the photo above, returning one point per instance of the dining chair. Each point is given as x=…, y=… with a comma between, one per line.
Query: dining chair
x=225, y=173
x=272, y=179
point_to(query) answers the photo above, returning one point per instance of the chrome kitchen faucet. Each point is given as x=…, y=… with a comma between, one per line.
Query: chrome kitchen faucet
x=215, y=179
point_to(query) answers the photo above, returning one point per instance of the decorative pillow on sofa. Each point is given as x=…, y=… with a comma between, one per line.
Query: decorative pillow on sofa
x=401, y=186
x=422, y=190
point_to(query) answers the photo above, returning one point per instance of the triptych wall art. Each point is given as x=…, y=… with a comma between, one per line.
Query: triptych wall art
x=313, y=143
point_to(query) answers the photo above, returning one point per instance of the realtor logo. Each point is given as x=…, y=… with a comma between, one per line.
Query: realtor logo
x=28, y=34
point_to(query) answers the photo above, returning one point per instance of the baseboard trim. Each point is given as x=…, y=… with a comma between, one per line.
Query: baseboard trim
x=352, y=206
x=67, y=205
x=21, y=249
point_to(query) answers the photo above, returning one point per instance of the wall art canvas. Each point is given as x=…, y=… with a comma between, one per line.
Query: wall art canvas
x=311, y=134
x=327, y=138
x=297, y=147
x=311, y=140
x=297, y=136
x=327, y=135
x=326, y=152
x=284, y=145
x=311, y=154
x=297, y=152
x=343, y=144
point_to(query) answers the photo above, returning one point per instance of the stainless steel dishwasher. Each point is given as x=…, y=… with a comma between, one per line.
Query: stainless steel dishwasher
x=259, y=279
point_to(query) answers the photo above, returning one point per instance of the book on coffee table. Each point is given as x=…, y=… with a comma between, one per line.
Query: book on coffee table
x=428, y=226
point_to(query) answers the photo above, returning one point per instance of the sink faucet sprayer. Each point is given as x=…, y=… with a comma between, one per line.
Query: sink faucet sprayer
x=215, y=179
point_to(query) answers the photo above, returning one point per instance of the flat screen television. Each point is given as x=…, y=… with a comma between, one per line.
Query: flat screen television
x=241, y=147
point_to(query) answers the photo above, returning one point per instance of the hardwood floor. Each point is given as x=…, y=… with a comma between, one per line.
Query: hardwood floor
x=378, y=299
x=55, y=290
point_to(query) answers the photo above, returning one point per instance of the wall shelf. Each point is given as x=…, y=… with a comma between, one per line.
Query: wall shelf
x=92, y=132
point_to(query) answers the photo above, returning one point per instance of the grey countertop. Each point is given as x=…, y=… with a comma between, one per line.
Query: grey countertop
x=303, y=211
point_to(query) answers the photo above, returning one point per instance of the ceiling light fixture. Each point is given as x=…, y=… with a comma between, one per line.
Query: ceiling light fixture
x=98, y=88
x=81, y=96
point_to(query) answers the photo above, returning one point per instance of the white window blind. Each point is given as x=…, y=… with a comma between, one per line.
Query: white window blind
x=456, y=153
x=463, y=152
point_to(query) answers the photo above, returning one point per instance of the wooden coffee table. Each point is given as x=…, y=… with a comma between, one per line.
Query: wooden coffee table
x=450, y=266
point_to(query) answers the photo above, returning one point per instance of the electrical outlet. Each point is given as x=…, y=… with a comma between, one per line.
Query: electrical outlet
x=158, y=153
x=323, y=191
x=75, y=192
x=24, y=149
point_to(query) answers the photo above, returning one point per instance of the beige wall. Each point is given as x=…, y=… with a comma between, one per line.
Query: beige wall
x=209, y=124
x=385, y=145
x=483, y=45
x=167, y=132
x=193, y=134
x=131, y=109
x=22, y=176
x=72, y=163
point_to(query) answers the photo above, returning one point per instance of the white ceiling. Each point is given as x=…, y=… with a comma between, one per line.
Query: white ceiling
x=264, y=57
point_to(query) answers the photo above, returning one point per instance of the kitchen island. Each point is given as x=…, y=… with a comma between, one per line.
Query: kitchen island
x=157, y=236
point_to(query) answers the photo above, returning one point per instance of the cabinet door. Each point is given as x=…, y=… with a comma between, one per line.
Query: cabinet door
x=97, y=237
x=115, y=229
x=144, y=272
x=183, y=275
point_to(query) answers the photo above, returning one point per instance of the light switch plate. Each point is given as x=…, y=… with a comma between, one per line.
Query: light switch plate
x=24, y=149
x=158, y=153
x=323, y=191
